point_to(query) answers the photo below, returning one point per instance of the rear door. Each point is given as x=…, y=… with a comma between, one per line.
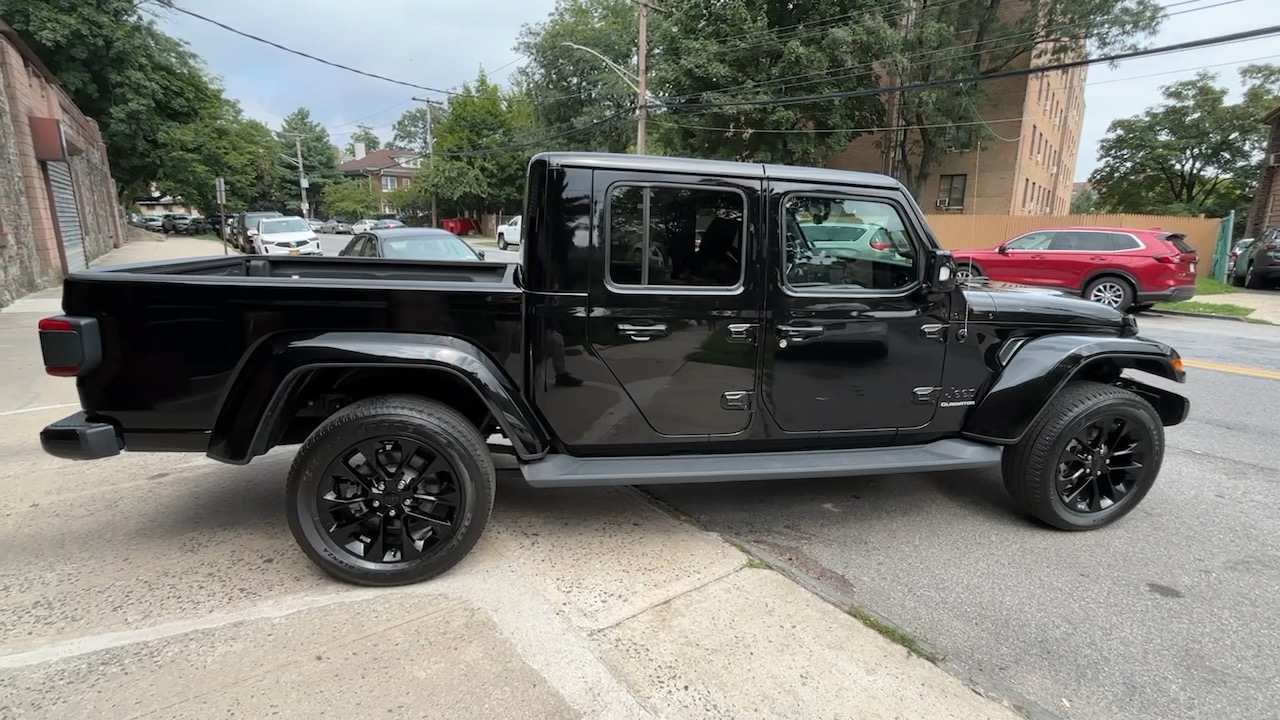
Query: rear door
x=849, y=344
x=1076, y=254
x=674, y=322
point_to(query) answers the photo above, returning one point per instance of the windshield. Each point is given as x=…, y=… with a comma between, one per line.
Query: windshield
x=818, y=234
x=437, y=246
x=283, y=225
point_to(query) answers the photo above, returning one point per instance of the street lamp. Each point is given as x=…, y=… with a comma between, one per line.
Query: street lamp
x=636, y=82
x=628, y=79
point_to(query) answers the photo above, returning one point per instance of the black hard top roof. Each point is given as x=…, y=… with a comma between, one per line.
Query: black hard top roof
x=658, y=163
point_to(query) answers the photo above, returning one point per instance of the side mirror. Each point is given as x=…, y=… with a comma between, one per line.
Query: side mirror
x=480, y=254
x=941, y=267
x=1003, y=249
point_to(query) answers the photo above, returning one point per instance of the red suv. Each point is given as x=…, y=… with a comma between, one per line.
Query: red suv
x=1124, y=268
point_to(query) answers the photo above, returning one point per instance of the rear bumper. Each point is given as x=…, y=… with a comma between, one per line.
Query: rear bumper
x=76, y=438
x=1173, y=294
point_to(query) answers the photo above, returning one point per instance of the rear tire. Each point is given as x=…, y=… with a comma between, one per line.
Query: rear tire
x=1251, y=279
x=1110, y=291
x=1235, y=279
x=502, y=242
x=427, y=478
x=1038, y=470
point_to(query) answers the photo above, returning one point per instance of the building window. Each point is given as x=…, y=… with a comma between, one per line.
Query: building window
x=951, y=189
x=1035, y=137
x=388, y=183
x=1026, y=188
x=405, y=182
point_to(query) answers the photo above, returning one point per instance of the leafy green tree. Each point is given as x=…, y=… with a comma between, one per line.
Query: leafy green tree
x=571, y=87
x=458, y=186
x=140, y=84
x=411, y=129
x=480, y=121
x=1086, y=203
x=1194, y=153
x=353, y=199
x=364, y=134
x=319, y=159
x=984, y=37
x=709, y=51
x=226, y=144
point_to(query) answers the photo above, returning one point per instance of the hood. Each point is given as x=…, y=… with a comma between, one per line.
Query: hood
x=300, y=237
x=1024, y=305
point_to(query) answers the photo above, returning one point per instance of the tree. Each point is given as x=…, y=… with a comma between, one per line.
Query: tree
x=411, y=130
x=571, y=87
x=479, y=123
x=223, y=144
x=352, y=199
x=1086, y=203
x=364, y=134
x=1194, y=153
x=118, y=68
x=319, y=159
x=733, y=50
x=981, y=38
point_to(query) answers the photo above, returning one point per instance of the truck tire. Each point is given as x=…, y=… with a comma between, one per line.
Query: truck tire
x=1088, y=460
x=502, y=242
x=390, y=490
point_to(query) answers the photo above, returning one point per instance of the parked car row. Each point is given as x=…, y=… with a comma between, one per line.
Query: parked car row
x=1123, y=268
x=173, y=223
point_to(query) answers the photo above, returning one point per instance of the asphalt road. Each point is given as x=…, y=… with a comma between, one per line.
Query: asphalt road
x=1174, y=612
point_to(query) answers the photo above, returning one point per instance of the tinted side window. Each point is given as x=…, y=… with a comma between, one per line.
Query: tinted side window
x=1124, y=242
x=675, y=236
x=1082, y=241
x=846, y=244
x=1031, y=241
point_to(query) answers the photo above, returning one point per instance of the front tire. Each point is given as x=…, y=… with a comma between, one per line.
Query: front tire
x=968, y=270
x=1088, y=460
x=502, y=242
x=391, y=490
x=1110, y=291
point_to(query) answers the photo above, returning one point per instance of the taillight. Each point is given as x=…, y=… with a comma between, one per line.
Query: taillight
x=71, y=346
x=1179, y=258
x=879, y=245
x=1166, y=259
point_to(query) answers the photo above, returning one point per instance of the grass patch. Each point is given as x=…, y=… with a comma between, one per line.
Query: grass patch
x=1212, y=286
x=893, y=632
x=756, y=563
x=1208, y=308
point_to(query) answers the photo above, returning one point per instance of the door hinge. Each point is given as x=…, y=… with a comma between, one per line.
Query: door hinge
x=925, y=395
x=736, y=400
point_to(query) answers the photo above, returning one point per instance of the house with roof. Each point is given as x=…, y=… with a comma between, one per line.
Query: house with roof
x=386, y=169
x=1264, y=213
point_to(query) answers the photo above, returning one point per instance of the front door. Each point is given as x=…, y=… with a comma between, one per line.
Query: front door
x=676, y=320
x=1027, y=260
x=851, y=342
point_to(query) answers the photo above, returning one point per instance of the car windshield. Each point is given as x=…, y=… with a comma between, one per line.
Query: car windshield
x=436, y=246
x=819, y=234
x=283, y=225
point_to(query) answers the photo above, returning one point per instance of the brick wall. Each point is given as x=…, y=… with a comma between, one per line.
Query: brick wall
x=30, y=253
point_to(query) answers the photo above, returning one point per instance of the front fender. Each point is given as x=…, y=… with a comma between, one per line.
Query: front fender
x=270, y=371
x=1042, y=366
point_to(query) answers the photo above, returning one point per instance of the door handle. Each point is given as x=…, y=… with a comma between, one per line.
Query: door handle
x=741, y=332
x=1037, y=256
x=799, y=333
x=642, y=332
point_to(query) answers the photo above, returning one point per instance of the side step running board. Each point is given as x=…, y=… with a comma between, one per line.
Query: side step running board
x=569, y=471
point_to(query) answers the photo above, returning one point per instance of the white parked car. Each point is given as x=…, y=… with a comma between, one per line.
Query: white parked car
x=509, y=233
x=285, y=236
x=363, y=226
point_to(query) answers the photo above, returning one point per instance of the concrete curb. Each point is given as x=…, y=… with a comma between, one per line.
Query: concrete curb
x=1211, y=316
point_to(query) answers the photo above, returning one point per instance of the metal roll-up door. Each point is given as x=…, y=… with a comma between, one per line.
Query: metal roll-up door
x=67, y=214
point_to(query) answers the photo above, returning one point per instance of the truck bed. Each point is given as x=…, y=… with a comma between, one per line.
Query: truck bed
x=176, y=333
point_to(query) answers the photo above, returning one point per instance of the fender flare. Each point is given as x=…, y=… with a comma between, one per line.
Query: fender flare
x=272, y=370
x=1042, y=366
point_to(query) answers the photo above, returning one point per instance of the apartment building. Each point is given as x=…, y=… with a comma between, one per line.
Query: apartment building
x=1018, y=159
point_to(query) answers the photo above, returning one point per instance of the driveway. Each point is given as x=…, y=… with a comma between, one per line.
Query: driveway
x=1170, y=613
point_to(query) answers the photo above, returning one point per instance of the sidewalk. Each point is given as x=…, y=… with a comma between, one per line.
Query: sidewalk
x=173, y=583
x=1265, y=303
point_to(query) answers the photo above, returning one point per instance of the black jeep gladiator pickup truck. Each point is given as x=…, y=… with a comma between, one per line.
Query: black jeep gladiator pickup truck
x=671, y=320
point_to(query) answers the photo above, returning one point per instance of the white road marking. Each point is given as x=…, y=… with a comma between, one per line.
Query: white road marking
x=38, y=409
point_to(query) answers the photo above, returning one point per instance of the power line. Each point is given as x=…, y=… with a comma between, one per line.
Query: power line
x=309, y=56
x=1017, y=72
x=787, y=131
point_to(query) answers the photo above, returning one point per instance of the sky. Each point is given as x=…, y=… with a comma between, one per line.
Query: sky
x=443, y=43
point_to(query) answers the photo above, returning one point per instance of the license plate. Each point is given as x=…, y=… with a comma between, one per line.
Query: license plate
x=295, y=251
x=1193, y=267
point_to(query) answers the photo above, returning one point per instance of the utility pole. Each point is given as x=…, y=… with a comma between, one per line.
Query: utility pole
x=431, y=151
x=898, y=136
x=302, y=176
x=642, y=68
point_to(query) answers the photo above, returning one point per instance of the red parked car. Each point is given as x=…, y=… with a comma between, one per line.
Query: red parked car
x=1125, y=268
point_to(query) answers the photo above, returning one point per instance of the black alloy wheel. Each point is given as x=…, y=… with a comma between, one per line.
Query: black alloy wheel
x=389, y=500
x=390, y=490
x=1088, y=459
x=1102, y=464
